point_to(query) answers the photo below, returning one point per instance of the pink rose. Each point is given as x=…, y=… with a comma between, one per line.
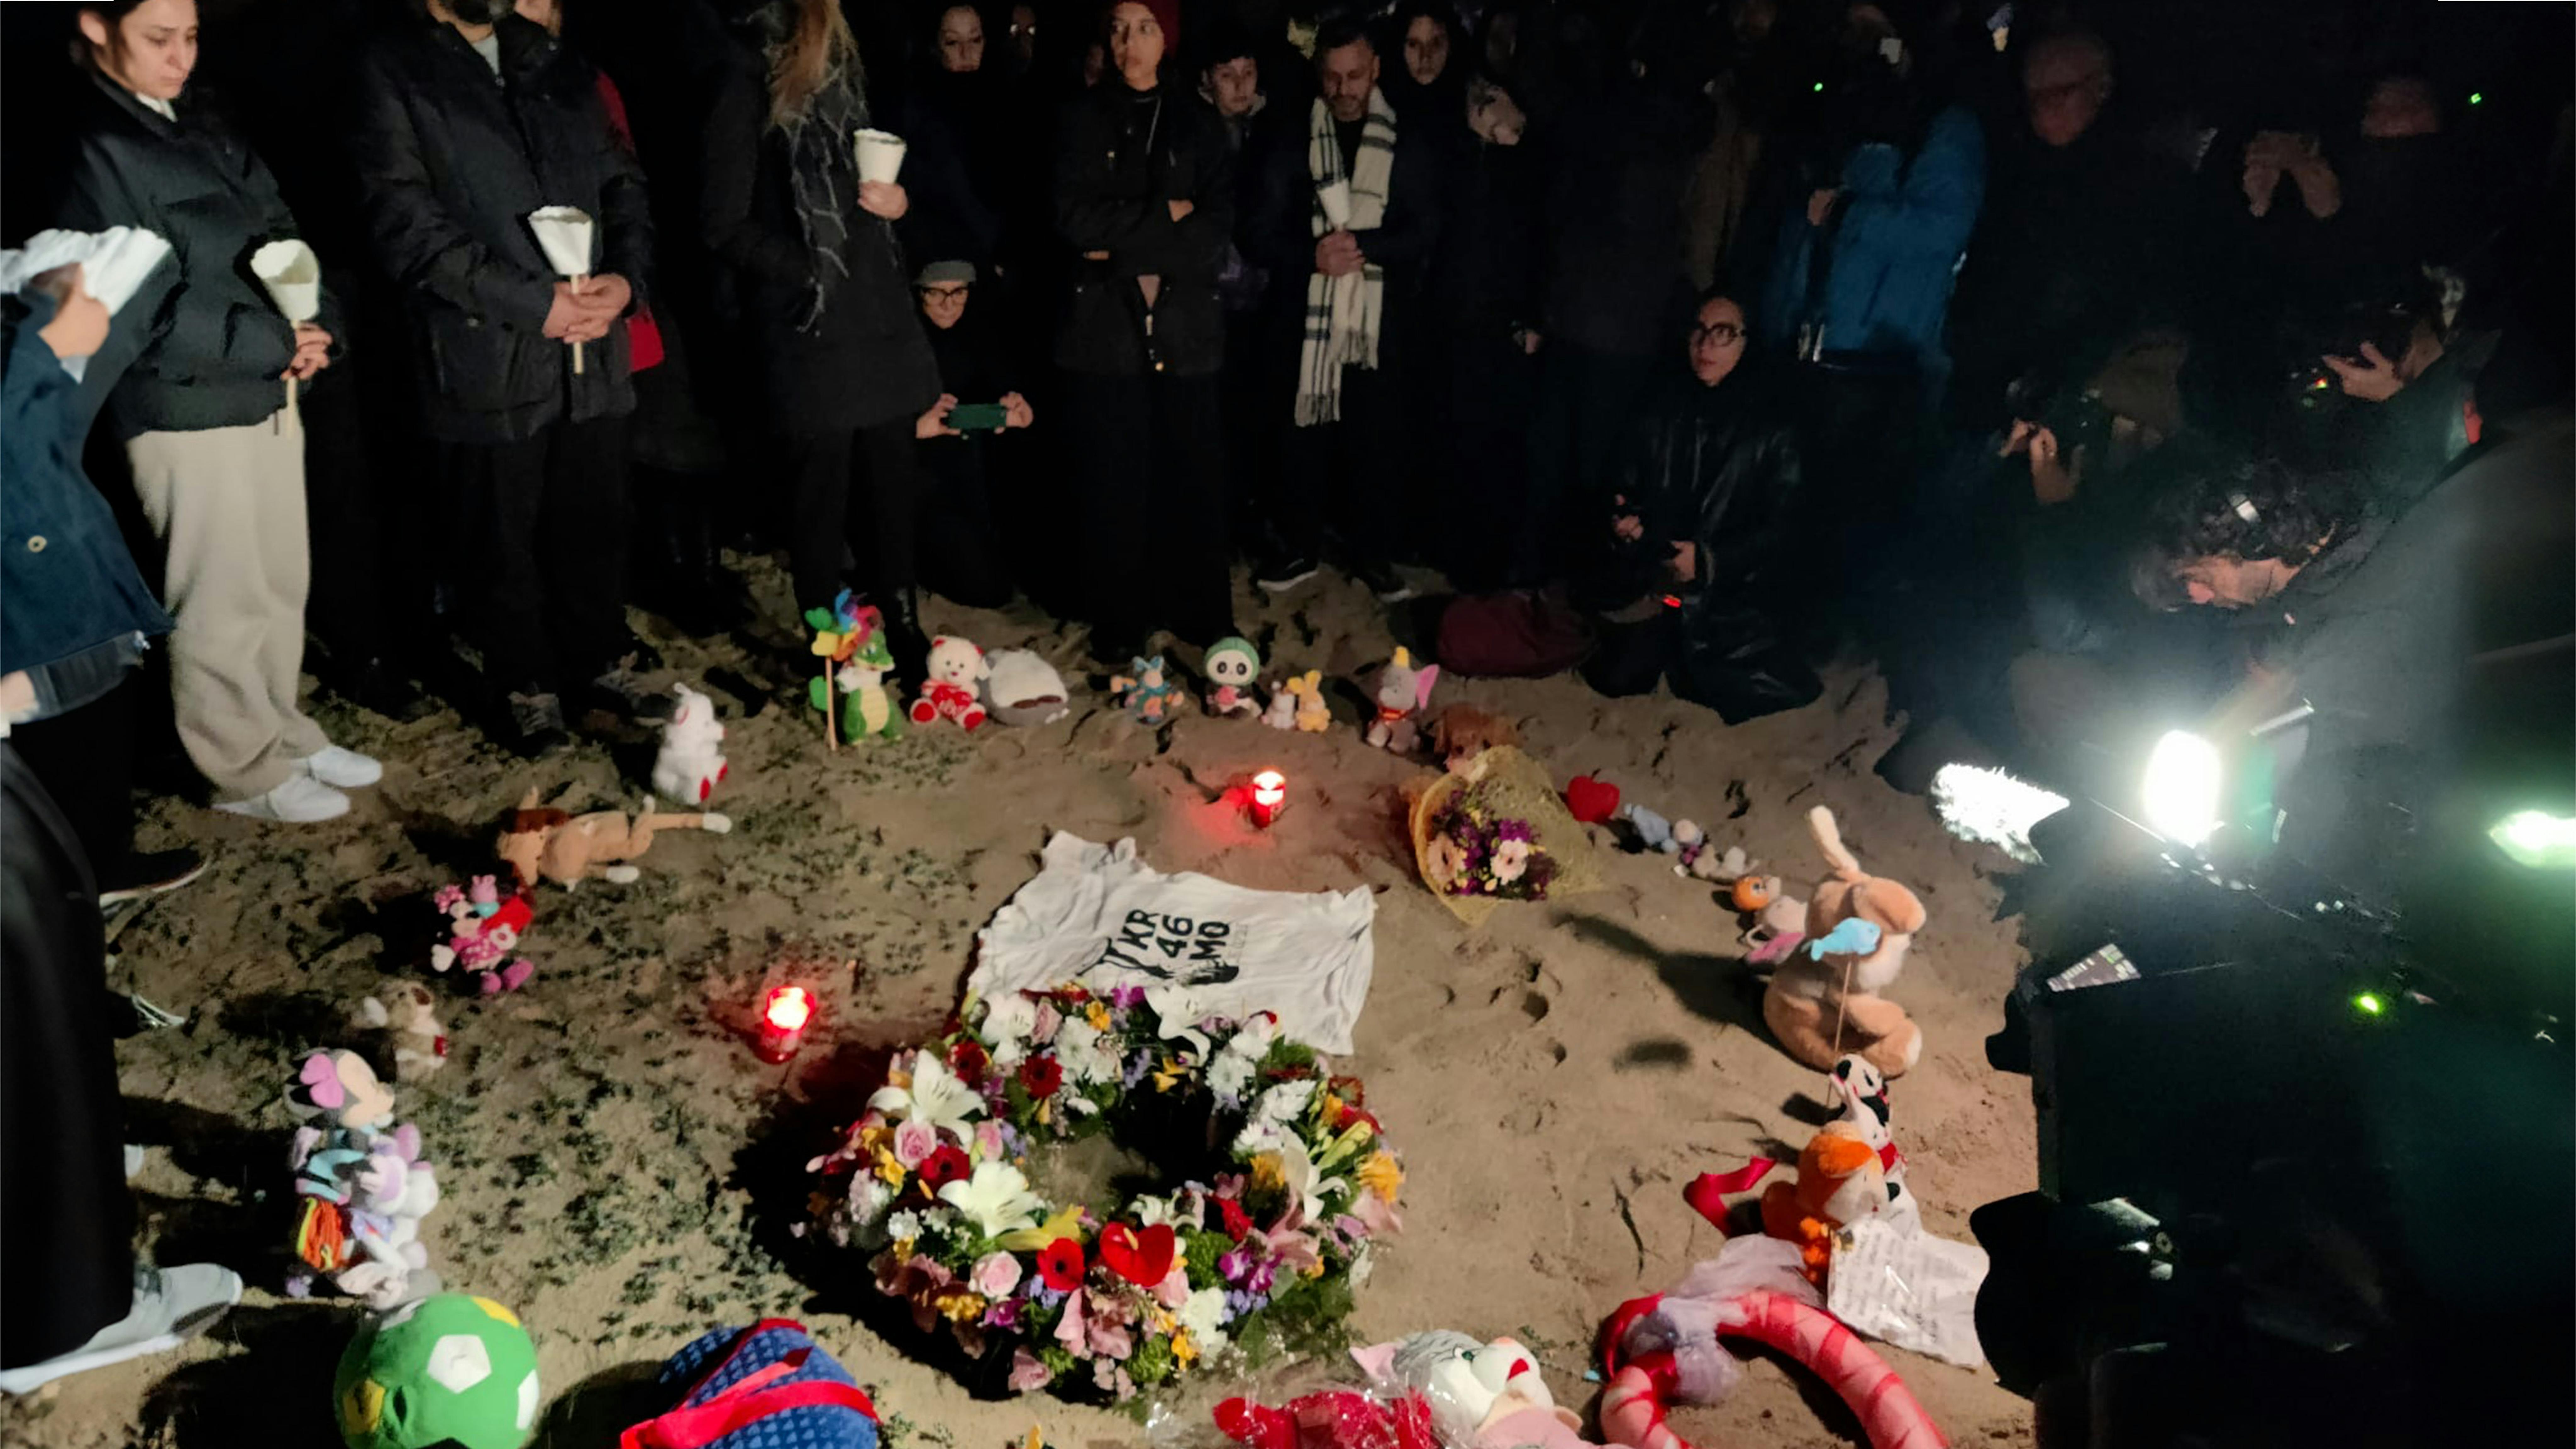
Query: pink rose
x=1048, y=1020
x=914, y=1141
x=996, y=1274
x=1174, y=1290
x=1026, y=1372
x=988, y=1141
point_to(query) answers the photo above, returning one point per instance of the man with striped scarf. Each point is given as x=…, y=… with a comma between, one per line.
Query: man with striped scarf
x=1367, y=202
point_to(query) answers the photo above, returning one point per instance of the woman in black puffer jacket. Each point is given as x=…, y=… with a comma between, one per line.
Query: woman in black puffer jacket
x=811, y=277
x=218, y=458
x=1144, y=200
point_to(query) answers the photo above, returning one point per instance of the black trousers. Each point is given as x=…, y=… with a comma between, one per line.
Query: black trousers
x=1348, y=479
x=66, y=1219
x=1742, y=672
x=961, y=557
x=1149, y=465
x=549, y=523
x=1582, y=413
x=835, y=509
x=85, y=759
x=346, y=605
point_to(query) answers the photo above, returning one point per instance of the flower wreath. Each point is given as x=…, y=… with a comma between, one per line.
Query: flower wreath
x=937, y=1189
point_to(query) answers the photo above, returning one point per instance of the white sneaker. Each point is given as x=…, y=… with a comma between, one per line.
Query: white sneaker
x=342, y=769
x=171, y=1305
x=298, y=800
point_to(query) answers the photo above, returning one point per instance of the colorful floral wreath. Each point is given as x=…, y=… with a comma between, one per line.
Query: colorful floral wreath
x=938, y=1191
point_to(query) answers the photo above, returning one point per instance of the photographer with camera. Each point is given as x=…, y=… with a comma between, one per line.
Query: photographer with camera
x=1703, y=529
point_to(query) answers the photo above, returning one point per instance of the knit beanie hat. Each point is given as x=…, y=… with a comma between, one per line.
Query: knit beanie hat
x=1167, y=15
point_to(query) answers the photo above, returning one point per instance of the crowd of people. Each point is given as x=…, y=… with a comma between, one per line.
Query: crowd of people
x=1689, y=342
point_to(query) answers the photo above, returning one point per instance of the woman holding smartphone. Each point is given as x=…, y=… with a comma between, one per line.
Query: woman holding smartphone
x=217, y=455
x=1145, y=202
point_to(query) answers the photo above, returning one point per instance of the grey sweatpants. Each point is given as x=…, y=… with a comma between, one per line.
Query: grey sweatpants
x=229, y=504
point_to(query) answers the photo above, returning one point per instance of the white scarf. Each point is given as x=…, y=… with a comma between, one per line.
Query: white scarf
x=1343, y=313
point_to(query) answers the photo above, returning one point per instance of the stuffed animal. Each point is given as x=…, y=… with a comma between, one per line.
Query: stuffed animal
x=1663, y=1350
x=548, y=844
x=1653, y=831
x=1779, y=928
x=409, y=1023
x=1403, y=688
x=856, y=661
x=450, y=1370
x=1462, y=732
x=955, y=667
x=394, y=1190
x=1148, y=695
x=1591, y=800
x=1022, y=689
x=1314, y=716
x=1282, y=713
x=482, y=931
x=1863, y=1094
x=1824, y=997
x=1231, y=664
x=1839, y=1181
x=1488, y=1395
x=690, y=765
x=342, y=1089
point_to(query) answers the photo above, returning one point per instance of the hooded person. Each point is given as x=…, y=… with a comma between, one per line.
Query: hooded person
x=952, y=130
x=811, y=278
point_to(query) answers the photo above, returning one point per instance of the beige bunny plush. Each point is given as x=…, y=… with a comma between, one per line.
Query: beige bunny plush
x=1823, y=1001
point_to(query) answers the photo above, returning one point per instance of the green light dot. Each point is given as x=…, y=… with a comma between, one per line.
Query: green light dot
x=1820, y=90
x=2477, y=98
x=2370, y=1003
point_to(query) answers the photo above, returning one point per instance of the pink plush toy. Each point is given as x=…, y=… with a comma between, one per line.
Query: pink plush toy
x=956, y=667
x=482, y=931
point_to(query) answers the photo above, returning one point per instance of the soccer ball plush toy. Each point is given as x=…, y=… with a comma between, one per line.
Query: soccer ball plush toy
x=452, y=1369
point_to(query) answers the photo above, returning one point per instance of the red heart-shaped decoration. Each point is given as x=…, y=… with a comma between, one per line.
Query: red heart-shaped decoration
x=1591, y=801
x=1143, y=1259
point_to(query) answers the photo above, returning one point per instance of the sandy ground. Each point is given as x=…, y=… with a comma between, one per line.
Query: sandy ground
x=618, y=1167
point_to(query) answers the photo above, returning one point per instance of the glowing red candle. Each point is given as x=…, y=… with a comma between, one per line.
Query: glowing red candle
x=782, y=1023
x=1269, y=793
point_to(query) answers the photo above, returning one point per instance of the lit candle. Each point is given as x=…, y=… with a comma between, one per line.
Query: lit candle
x=782, y=1023
x=1269, y=792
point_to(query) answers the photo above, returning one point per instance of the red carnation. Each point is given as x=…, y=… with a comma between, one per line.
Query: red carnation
x=943, y=1167
x=1060, y=1265
x=1237, y=1221
x=1043, y=1076
x=970, y=1059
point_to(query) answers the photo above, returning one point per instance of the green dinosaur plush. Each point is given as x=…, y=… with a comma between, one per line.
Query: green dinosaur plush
x=850, y=640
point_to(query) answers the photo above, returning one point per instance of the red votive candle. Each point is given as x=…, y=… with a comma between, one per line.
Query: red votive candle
x=1269, y=794
x=782, y=1023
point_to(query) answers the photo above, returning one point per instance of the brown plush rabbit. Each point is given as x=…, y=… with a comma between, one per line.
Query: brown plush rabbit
x=1823, y=1007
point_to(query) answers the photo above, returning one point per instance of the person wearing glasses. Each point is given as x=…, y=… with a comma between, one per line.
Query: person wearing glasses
x=1702, y=533
x=959, y=450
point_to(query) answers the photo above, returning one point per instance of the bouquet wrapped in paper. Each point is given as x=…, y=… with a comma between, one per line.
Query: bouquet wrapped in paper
x=1497, y=832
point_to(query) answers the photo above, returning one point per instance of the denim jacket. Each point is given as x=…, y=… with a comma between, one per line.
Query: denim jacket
x=73, y=610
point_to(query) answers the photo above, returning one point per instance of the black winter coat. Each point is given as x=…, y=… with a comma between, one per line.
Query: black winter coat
x=1121, y=158
x=218, y=345
x=451, y=162
x=1402, y=245
x=863, y=362
x=1718, y=467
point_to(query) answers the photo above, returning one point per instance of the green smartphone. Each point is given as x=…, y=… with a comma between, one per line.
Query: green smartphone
x=978, y=417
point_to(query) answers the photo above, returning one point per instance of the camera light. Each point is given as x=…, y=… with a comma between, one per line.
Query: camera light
x=2370, y=1003
x=2180, y=794
x=2536, y=839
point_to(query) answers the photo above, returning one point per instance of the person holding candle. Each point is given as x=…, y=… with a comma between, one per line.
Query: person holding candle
x=217, y=456
x=470, y=119
x=810, y=275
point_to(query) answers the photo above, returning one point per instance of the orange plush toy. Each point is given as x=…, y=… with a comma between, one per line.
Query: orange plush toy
x=1823, y=1001
x=1839, y=1181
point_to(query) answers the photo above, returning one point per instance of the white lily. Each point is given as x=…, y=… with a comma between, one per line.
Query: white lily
x=1172, y=1013
x=1305, y=1180
x=1154, y=1211
x=997, y=1197
x=936, y=1096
